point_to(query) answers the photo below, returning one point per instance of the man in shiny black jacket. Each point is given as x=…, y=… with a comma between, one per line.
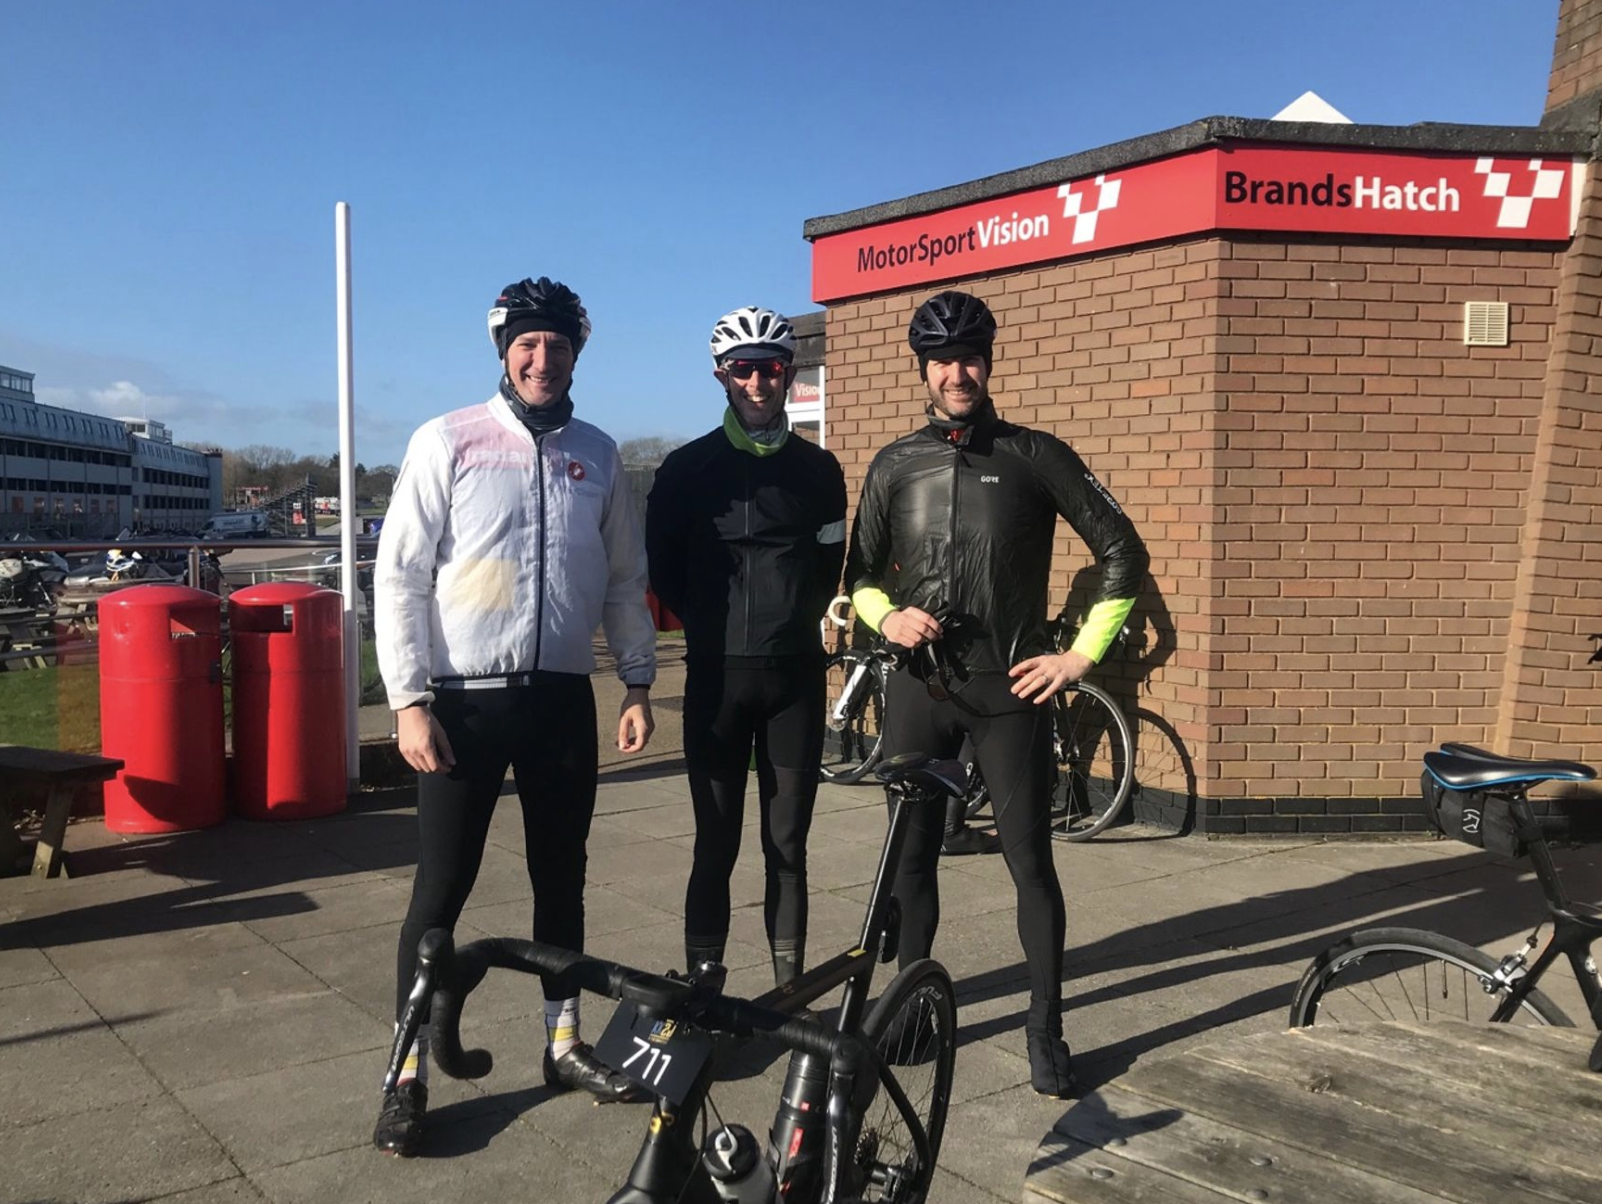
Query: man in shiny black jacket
x=950, y=558
x=745, y=534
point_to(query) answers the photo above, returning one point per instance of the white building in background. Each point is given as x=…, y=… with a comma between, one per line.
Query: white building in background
x=78, y=474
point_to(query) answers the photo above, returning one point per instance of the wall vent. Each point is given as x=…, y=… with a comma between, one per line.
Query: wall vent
x=1485, y=323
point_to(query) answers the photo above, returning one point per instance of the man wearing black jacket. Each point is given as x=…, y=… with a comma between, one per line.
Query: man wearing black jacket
x=745, y=534
x=950, y=558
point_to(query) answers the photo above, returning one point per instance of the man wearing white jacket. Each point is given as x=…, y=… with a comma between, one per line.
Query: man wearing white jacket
x=511, y=536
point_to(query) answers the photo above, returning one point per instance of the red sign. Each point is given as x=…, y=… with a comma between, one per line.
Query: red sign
x=1302, y=189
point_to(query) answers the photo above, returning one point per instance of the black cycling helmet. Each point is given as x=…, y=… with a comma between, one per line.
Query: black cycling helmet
x=541, y=304
x=954, y=324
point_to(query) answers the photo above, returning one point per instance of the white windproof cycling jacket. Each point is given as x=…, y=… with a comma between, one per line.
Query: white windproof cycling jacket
x=500, y=556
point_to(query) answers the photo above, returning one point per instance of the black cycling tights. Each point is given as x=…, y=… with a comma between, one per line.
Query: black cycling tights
x=726, y=710
x=1012, y=743
x=545, y=732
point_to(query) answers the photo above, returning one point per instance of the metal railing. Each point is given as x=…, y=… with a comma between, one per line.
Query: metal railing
x=49, y=656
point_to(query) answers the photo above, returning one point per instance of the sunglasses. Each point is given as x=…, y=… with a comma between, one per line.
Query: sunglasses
x=768, y=369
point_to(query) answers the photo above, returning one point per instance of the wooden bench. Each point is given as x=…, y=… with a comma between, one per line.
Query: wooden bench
x=1388, y=1113
x=58, y=776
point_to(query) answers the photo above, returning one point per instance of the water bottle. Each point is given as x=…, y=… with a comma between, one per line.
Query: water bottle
x=735, y=1164
x=795, y=1143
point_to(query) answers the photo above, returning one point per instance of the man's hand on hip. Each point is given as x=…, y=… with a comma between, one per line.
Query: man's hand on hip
x=634, y=724
x=910, y=627
x=422, y=740
x=1039, y=677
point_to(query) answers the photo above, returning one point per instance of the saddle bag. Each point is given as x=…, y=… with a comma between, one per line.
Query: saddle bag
x=1475, y=817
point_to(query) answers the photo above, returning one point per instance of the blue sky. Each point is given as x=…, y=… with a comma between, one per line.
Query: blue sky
x=168, y=171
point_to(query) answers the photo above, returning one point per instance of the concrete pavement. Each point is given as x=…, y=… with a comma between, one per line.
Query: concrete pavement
x=204, y=1017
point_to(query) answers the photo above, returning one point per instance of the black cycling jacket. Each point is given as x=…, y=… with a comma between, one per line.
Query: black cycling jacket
x=746, y=549
x=959, y=523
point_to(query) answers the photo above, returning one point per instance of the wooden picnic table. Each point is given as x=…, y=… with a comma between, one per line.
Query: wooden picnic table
x=1389, y=1113
x=60, y=775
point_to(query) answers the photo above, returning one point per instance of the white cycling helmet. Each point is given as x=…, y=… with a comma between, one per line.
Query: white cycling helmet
x=752, y=333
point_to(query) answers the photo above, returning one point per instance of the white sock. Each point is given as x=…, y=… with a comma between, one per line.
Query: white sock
x=562, y=1024
x=416, y=1064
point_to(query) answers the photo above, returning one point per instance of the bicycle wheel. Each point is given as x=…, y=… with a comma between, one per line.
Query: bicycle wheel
x=1095, y=762
x=854, y=717
x=914, y=1027
x=1407, y=974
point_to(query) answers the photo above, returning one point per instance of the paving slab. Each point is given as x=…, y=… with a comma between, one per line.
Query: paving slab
x=358, y=964
x=191, y=1048
x=984, y=1150
x=42, y=1009
x=80, y=1070
x=238, y=1190
x=101, y=1158
x=467, y=1160
x=197, y=978
x=19, y=967
x=290, y=1113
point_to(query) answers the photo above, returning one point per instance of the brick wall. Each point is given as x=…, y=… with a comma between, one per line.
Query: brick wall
x=1373, y=475
x=1576, y=53
x=1551, y=697
x=1335, y=491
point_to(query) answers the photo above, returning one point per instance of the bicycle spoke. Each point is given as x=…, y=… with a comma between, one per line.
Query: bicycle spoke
x=1422, y=977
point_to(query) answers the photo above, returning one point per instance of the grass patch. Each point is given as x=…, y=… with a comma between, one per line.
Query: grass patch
x=58, y=707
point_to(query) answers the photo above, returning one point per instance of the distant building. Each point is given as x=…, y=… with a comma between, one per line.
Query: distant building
x=76, y=474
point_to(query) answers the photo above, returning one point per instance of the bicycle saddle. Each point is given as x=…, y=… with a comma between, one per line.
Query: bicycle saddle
x=915, y=768
x=1464, y=767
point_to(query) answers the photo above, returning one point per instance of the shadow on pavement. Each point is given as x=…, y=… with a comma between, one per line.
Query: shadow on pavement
x=1286, y=928
x=214, y=870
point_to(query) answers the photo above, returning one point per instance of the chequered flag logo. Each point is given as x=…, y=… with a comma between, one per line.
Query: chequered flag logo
x=1519, y=189
x=1073, y=205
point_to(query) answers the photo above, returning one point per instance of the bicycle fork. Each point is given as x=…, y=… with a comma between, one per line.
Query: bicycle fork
x=848, y=696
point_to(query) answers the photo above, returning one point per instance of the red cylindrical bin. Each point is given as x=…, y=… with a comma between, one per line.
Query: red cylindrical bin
x=289, y=700
x=161, y=708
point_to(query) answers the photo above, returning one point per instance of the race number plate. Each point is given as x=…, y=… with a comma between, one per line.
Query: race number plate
x=660, y=1055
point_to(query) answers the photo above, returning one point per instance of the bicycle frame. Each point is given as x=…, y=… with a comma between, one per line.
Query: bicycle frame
x=1574, y=927
x=669, y=1154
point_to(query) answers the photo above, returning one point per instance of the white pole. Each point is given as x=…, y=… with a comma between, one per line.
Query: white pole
x=347, y=498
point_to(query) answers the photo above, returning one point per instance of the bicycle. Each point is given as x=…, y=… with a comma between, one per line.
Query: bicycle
x=1480, y=798
x=854, y=718
x=846, y=1125
x=1093, y=762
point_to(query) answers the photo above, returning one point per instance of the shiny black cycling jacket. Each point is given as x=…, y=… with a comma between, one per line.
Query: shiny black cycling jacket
x=746, y=550
x=959, y=523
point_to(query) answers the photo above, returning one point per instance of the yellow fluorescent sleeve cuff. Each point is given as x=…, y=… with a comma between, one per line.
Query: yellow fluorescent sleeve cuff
x=872, y=605
x=1101, y=627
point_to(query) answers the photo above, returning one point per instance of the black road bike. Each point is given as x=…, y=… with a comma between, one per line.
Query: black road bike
x=863, y=1107
x=1410, y=974
x=1093, y=748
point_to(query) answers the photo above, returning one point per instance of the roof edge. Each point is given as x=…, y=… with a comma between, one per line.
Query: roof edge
x=1425, y=136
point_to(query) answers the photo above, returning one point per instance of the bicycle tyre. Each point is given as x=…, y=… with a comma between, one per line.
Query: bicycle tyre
x=1408, y=969
x=1094, y=752
x=859, y=740
x=914, y=1028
